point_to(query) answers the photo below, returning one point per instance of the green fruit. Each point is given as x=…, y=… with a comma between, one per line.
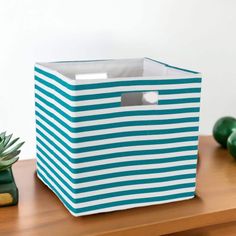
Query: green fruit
x=223, y=128
x=231, y=144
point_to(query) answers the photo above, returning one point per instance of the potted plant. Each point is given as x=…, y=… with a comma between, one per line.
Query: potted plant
x=9, y=154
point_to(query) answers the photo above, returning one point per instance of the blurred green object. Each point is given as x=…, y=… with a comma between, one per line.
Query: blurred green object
x=9, y=151
x=231, y=144
x=223, y=128
x=9, y=154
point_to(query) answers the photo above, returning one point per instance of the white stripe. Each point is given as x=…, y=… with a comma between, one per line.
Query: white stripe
x=119, y=88
x=97, y=81
x=132, y=187
x=54, y=72
x=114, y=189
x=121, y=188
x=119, y=149
x=118, y=99
x=113, y=120
x=129, y=88
x=179, y=96
x=140, y=186
x=135, y=196
x=78, y=103
x=107, y=200
x=120, y=129
x=106, y=161
x=129, y=206
x=123, y=178
x=126, y=168
x=110, y=100
x=121, y=207
x=116, y=109
x=137, y=88
x=116, y=140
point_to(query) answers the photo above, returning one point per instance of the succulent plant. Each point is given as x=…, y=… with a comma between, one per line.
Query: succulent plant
x=9, y=151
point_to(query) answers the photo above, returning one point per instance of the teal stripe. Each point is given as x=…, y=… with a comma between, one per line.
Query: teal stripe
x=112, y=94
x=135, y=201
x=126, y=123
x=52, y=86
x=121, y=193
x=53, y=115
x=178, y=101
x=108, y=176
x=177, y=68
x=110, y=115
x=101, y=206
x=124, y=173
x=118, y=83
x=116, y=144
x=110, y=104
x=179, y=91
x=51, y=105
x=77, y=108
x=113, y=175
x=115, y=135
x=110, y=165
x=87, y=128
x=115, y=154
x=134, y=192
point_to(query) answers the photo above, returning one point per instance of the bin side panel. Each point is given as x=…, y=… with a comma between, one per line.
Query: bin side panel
x=98, y=156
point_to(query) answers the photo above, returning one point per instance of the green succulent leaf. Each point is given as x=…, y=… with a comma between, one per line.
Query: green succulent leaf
x=11, y=143
x=9, y=150
x=13, y=149
x=9, y=156
x=2, y=135
x=6, y=164
x=1, y=145
x=4, y=143
x=7, y=139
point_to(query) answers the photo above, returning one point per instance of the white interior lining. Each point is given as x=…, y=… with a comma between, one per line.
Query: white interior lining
x=115, y=68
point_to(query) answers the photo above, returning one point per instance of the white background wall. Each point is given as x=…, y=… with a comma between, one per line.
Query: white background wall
x=194, y=34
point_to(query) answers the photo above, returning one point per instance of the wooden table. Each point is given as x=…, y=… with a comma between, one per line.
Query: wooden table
x=40, y=212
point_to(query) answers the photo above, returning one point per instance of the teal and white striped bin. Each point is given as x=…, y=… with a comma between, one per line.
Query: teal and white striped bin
x=100, y=154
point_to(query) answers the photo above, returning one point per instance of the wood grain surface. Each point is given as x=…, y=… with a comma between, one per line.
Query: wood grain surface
x=227, y=229
x=41, y=213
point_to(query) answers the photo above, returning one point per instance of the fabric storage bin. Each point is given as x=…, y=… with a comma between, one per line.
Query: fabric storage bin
x=98, y=154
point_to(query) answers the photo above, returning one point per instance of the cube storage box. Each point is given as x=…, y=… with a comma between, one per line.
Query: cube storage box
x=97, y=155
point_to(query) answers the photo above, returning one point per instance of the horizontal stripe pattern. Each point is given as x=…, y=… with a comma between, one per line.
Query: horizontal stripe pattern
x=97, y=156
x=77, y=211
x=94, y=139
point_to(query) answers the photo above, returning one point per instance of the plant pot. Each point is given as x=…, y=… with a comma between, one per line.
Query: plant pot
x=8, y=189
